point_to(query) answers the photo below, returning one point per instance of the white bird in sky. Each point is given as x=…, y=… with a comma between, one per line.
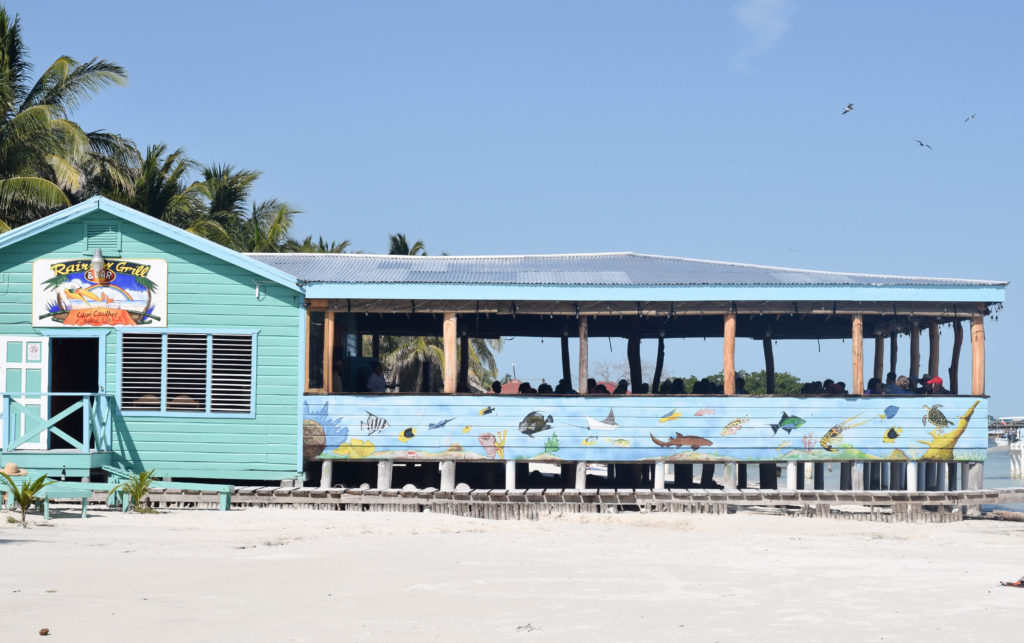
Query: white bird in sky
x=849, y=108
x=923, y=144
x=969, y=117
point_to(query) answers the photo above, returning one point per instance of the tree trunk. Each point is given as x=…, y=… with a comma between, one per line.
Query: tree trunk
x=566, y=372
x=636, y=375
x=769, y=365
x=954, y=364
x=658, y=364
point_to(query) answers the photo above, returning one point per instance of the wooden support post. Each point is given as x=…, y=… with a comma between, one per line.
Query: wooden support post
x=584, y=349
x=659, y=364
x=329, y=352
x=857, y=476
x=940, y=476
x=879, y=370
x=384, y=468
x=326, y=474
x=510, y=474
x=915, y=353
x=730, y=475
x=951, y=476
x=375, y=346
x=845, y=476
x=791, y=476
x=893, y=349
x=659, y=475
x=930, y=471
x=729, y=354
x=975, y=480
x=636, y=376
x=819, y=476
x=933, y=348
x=448, y=475
x=463, y=382
x=885, y=482
x=769, y=364
x=581, y=475
x=566, y=371
x=684, y=475
x=767, y=475
x=911, y=476
x=449, y=328
x=707, y=475
x=857, y=333
x=954, y=362
x=978, y=355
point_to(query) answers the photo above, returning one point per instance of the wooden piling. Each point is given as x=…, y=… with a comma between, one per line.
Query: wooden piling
x=933, y=348
x=857, y=334
x=448, y=330
x=954, y=362
x=769, y=364
x=729, y=354
x=566, y=371
x=384, y=468
x=584, y=349
x=915, y=353
x=978, y=355
x=879, y=356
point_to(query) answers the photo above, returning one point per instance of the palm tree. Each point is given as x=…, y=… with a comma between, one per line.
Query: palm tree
x=320, y=245
x=399, y=245
x=45, y=156
x=161, y=187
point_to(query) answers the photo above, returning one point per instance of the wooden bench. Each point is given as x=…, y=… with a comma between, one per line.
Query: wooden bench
x=62, y=491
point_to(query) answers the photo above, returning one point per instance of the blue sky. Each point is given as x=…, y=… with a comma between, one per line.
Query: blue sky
x=701, y=129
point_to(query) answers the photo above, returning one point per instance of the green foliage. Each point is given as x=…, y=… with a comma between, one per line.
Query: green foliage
x=755, y=383
x=25, y=495
x=551, y=445
x=137, y=488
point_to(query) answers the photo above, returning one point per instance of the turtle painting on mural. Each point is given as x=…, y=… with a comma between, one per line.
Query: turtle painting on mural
x=936, y=417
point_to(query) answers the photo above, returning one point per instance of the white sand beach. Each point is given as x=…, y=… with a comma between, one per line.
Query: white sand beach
x=300, y=575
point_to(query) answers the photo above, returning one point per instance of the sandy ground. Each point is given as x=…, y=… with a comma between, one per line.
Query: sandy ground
x=300, y=575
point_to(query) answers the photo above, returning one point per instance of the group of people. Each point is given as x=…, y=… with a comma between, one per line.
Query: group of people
x=903, y=385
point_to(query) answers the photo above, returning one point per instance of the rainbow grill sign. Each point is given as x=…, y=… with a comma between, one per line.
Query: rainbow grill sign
x=77, y=292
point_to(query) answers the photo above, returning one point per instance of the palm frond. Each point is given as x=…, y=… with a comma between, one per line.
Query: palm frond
x=66, y=83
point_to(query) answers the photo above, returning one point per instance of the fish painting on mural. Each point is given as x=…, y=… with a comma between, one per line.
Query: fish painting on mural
x=891, y=434
x=735, y=425
x=586, y=442
x=373, y=423
x=619, y=442
x=671, y=415
x=889, y=412
x=787, y=423
x=467, y=429
x=607, y=424
x=703, y=412
x=438, y=425
x=535, y=422
x=680, y=440
x=407, y=435
x=487, y=411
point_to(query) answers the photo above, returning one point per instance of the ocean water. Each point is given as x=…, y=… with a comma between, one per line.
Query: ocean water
x=997, y=476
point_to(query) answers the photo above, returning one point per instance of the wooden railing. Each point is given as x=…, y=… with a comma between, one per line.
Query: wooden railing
x=97, y=420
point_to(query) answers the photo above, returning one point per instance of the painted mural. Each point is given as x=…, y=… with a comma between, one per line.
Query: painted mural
x=644, y=428
x=79, y=292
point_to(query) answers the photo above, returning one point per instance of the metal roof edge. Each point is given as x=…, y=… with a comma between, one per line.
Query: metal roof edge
x=163, y=228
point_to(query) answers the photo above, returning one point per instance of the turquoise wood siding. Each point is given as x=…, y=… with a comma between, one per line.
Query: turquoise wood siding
x=204, y=292
x=647, y=428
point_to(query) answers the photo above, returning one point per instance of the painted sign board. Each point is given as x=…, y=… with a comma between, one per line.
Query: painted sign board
x=125, y=292
x=645, y=428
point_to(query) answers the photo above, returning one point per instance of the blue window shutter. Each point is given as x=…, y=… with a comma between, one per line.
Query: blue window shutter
x=104, y=236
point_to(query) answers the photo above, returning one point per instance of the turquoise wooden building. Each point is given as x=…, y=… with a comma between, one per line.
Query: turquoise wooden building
x=127, y=341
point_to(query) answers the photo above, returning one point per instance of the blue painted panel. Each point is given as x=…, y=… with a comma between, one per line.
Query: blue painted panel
x=646, y=428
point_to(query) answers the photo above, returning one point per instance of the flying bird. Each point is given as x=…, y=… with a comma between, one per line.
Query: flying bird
x=969, y=117
x=923, y=144
x=849, y=108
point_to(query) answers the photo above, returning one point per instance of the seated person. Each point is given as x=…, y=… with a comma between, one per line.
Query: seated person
x=621, y=388
x=544, y=389
x=496, y=387
x=591, y=385
x=525, y=388
x=903, y=385
x=891, y=388
x=933, y=386
x=375, y=382
x=874, y=387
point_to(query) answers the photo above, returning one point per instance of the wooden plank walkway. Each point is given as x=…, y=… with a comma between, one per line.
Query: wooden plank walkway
x=530, y=504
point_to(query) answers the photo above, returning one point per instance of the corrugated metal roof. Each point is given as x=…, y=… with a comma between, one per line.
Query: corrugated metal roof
x=601, y=269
